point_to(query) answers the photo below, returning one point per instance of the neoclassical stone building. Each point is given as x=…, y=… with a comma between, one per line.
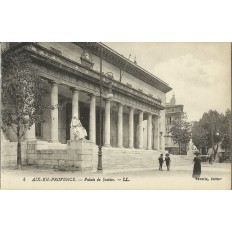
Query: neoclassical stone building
x=172, y=112
x=133, y=119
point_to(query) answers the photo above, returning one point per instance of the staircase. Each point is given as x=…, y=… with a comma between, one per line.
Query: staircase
x=125, y=158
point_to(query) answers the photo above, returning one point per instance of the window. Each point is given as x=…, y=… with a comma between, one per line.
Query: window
x=38, y=130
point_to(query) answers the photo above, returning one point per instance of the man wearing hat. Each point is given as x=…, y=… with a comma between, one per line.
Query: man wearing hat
x=161, y=162
x=168, y=161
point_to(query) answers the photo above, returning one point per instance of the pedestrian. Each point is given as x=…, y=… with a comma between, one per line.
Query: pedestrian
x=197, y=166
x=161, y=162
x=168, y=161
x=210, y=159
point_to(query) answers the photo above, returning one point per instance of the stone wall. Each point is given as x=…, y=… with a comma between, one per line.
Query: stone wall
x=80, y=159
x=9, y=153
x=77, y=156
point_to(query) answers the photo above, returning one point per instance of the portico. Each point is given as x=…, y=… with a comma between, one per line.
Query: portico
x=118, y=121
x=132, y=122
x=132, y=119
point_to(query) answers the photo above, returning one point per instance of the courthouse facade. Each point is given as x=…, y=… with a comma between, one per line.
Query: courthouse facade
x=133, y=117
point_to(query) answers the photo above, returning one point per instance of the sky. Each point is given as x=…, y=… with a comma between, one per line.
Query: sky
x=198, y=73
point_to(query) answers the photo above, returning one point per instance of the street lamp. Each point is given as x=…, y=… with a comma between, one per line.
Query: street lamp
x=110, y=93
x=109, y=96
x=212, y=156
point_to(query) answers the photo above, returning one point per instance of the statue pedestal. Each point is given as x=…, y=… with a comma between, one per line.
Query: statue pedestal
x=81, y=152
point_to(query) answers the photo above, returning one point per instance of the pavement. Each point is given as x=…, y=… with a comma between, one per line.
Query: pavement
x=215, y=176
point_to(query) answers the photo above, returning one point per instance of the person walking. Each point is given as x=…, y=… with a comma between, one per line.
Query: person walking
x=168, y=161
x=197, y=166
x=161, y=162
x=211, y=159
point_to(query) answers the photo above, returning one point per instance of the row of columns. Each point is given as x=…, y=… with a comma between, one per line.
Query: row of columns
x=54, y=113
x=92, y=121
x=131, y=128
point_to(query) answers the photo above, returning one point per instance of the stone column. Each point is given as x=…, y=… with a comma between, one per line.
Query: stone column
x=54, y=113
x=30, y=134
x=141, y=130
x=156, y=132
x=149, y=131
x=75, y=107
x=75, y=102
x=92, y=119
x=131, y=128
x=160, y=140
x=120, y=125
x=107, y=124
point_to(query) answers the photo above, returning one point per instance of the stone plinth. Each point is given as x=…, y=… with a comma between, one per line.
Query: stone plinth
x=76, y=155
x=82, y=152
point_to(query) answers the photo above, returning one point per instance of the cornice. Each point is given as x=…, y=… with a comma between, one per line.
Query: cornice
x=52, y=59
x=121, y=62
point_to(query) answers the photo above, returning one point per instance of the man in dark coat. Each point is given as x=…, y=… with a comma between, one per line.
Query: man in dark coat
x=168, y=161
x=161, y=162
x=197, y=166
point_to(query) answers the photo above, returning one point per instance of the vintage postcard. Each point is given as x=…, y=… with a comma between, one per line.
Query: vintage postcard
x=93, y=115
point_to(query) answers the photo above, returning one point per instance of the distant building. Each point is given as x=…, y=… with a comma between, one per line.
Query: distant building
x=172, y=111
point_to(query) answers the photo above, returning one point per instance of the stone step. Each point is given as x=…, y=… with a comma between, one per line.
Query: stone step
x=53, y=151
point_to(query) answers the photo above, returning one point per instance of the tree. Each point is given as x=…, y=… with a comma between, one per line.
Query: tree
x=226, y=131
x=208, y=132
x=180, y=131
x=200, y=138
x=22, y=95
x=212, y=123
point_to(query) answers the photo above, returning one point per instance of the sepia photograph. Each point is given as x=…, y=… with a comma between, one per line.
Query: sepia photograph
x=116, y=115
x=126, y=129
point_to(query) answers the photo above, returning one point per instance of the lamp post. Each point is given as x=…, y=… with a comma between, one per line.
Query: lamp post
x=212, y=156
x=109, y=95
x=99, y=164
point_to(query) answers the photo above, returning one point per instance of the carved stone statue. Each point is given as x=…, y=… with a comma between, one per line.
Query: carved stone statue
x=86, y=59
x=78, y=130
x=85, y=55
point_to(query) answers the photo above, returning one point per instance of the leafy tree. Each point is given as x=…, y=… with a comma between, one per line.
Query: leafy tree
x=180, y=131
x=22, y=95
x=208, y=132
x=226, y=131
x=200, y=138
x=212, y=123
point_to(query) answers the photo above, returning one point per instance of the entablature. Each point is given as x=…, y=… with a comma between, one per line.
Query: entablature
x=100, y=49
x=59, y=62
